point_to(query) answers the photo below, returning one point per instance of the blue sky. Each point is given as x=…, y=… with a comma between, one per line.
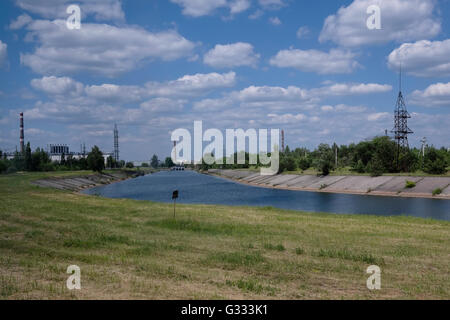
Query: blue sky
x=312, y=68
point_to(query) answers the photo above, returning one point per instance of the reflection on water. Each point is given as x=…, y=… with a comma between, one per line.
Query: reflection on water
x=203, y=189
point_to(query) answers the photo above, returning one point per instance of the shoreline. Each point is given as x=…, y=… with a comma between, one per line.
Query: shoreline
x=335, y=191
x=80, y=183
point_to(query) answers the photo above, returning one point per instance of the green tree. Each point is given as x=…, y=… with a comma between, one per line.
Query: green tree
x=36, y=160
x=63, y=159
x=111, y=162
x=325, y=159
x=129, y=165
x=435, y=162
x=304, y=163
x=95, y=160
x=408, y=160
x=3, y=166
x=82, y=163
x=169, y=163
x=70, y=162
x=360, y=167
x=375, y=166
x=287, y=163
x=28, y=161
x=384, y=152
x=154, y=162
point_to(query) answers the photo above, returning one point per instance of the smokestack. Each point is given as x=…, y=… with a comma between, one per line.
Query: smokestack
x=282, y=140
x=22, y=137
x=175, y=151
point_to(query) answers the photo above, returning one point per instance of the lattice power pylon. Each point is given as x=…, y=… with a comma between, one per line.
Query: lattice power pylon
x=401, y=130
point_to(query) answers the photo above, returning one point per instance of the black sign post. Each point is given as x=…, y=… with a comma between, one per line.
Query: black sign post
x=174, y=197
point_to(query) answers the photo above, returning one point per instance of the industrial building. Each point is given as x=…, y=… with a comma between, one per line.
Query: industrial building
x=58, y=152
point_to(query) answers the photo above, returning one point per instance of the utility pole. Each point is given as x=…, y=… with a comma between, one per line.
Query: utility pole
x=424, y=142
x=335, y=155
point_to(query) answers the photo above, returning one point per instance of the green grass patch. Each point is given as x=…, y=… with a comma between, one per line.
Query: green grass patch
x=252, y=285
x=203, y=227
x=97, y=240
x=8, y=286
x=236, y=259
x=347, y=254
x=277, y=247
x=410, y=184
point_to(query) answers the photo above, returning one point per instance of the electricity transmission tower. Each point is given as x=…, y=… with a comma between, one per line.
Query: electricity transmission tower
x=401, y=130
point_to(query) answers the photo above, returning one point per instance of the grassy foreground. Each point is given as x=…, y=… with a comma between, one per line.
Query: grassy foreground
x=135, y=250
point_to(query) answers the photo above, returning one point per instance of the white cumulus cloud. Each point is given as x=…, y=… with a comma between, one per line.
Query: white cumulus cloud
x=58, y=86
x=238, y=6
x=231, y=55
x=379, y=116
x=333, y=62
x=437, y=94
x=192, y=85
x=401, y=20
x=272, y=4
x=3, y=53
x=275, y=21
x=341, y=89
x=423, y=58
x=99, y=48
x=303, y=32
x=53, y=9
x=198, y=8
x=20, y=22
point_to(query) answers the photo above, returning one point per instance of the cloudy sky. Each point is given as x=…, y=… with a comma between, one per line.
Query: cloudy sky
x=312, y=68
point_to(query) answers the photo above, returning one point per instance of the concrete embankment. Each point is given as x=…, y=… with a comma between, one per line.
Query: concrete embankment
x=382, y=186
x=78, y=183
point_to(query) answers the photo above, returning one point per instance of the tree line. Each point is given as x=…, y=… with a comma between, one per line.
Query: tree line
x=39, y=160
x=374, y=157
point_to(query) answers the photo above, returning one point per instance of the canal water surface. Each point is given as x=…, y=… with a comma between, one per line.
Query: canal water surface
x=195, y=188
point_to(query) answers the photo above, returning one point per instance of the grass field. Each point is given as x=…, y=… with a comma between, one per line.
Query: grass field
x=135, y=250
